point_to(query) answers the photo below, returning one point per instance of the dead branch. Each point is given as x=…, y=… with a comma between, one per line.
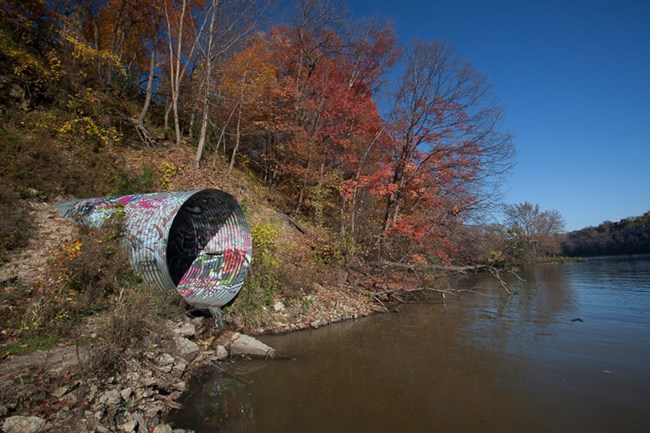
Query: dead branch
x=412, y=267
x=398, y=294
x=143, y=133
x=495, y=272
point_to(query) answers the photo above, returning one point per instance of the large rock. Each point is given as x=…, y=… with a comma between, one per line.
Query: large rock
x=186, y=348
x=129, y=426
x=165, y=362
x=23, y=424
x=185, y=330
x=111, y=398
x=244, y=345
x=162, y=428
x=222, y=352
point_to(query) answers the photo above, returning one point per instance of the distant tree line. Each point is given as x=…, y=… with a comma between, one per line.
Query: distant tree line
x=628, y=236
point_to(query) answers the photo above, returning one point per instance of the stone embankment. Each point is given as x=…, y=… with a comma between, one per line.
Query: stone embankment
x=61, y=389
x=53, y=391
x=322, y=306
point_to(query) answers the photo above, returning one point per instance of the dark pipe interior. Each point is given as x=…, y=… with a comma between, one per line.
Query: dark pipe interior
x=196, y=222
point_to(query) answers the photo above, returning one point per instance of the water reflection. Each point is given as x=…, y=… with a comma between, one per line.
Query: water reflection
x=515, y=324
x=221, y=404
x=385, y=374
x=483, y=362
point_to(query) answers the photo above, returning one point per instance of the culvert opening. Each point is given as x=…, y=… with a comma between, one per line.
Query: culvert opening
x=209, y=249
x=196, y=242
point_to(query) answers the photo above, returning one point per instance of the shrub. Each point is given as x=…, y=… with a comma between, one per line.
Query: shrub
x=94, y=266
x=94, y=279
x=265, y=239
x=84, y=131
x=128, y=183
x=38, y=163
x=265, y=276
x=279, y=270
x=327, y=251
x=166, y=173
x=133, y=321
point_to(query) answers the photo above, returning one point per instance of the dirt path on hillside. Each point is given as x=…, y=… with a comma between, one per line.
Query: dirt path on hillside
x=29, y=265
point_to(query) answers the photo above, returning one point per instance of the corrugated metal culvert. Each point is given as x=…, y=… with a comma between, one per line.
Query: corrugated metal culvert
x=195, y=242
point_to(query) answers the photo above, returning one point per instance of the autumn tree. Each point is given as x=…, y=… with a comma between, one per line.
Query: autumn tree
x=119, y=28
x=230, y=22
x=312, y=40
x=154, y=15
x=248, y=82
x=372, y=51
x=27, y=44
x=328, y=76
x=447, y=148
x=538, y=228
x=184, y=27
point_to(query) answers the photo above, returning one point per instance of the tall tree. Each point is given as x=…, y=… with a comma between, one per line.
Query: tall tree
x=539, y=228
x=446, y=142
x=184, y=28
x=314, y=37
x=372, y=51
x=155, y=19
x=230, y=22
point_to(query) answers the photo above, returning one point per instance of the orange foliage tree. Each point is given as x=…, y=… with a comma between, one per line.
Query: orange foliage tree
x=446, y=147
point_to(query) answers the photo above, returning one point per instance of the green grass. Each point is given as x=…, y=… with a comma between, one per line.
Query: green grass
x=31, y=344
x=561, y=259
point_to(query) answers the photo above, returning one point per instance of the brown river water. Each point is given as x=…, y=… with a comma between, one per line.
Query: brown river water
x=570, y=352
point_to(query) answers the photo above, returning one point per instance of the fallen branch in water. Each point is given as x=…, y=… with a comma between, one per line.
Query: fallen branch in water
x=413, y=267
x=495, y=272
x=507, y=287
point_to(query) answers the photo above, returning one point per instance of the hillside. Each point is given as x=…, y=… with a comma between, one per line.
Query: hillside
x=96, y=103
x=627, y=236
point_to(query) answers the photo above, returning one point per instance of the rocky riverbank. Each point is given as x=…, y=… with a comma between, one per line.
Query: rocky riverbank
x=91, y=387
x=64, y=388
x=86, y=384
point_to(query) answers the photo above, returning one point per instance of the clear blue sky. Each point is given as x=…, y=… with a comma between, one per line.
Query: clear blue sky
x=574, y=80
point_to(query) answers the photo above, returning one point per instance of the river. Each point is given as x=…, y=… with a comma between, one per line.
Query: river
x=570, y=352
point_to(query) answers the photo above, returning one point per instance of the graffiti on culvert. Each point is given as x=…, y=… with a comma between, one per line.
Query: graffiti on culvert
x=196, y=242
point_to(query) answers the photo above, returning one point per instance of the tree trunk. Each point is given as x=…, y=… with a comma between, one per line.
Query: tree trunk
x=114, y=38
x=301, y=197
x=177, y=122
x=223, y=133
x=203, y=133
x=237, y=139
x=319, y=198
x=149, y=92
x=206, y=92
x=357, y=178
x=238, y=130
x=192, y=117
x=175, y=66
x=168, y=108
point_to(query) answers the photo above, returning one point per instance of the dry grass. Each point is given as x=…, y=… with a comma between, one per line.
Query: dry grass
x=15, y=223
